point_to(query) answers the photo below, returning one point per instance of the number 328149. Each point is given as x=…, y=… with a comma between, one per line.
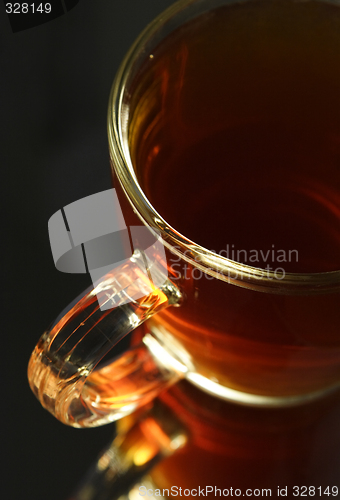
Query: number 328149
x=311, y=491
x=25, y=8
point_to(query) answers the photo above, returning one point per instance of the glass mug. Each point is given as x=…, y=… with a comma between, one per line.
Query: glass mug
x=224, y=128
x=229, y=448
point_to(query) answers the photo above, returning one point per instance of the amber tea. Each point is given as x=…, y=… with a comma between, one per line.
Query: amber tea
x=235, y=138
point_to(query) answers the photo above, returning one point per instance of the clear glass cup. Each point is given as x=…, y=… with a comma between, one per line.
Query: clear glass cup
x=244, y=333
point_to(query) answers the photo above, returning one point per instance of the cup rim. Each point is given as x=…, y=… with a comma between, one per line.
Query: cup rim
x=206, y=260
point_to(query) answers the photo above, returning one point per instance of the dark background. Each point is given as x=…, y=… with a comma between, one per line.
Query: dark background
x=55, y=81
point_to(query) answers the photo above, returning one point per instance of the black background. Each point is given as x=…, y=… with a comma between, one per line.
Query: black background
x=55, y=81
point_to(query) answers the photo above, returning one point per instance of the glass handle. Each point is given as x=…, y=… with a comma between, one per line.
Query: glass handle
x=69, y=370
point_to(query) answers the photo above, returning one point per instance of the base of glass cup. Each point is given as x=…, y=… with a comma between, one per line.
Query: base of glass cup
x=247, y=399
x=169, y=353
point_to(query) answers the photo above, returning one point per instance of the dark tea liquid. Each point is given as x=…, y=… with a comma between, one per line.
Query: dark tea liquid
x=235, y=138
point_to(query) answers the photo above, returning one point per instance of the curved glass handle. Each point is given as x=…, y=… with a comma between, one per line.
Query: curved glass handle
x=63, y=370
